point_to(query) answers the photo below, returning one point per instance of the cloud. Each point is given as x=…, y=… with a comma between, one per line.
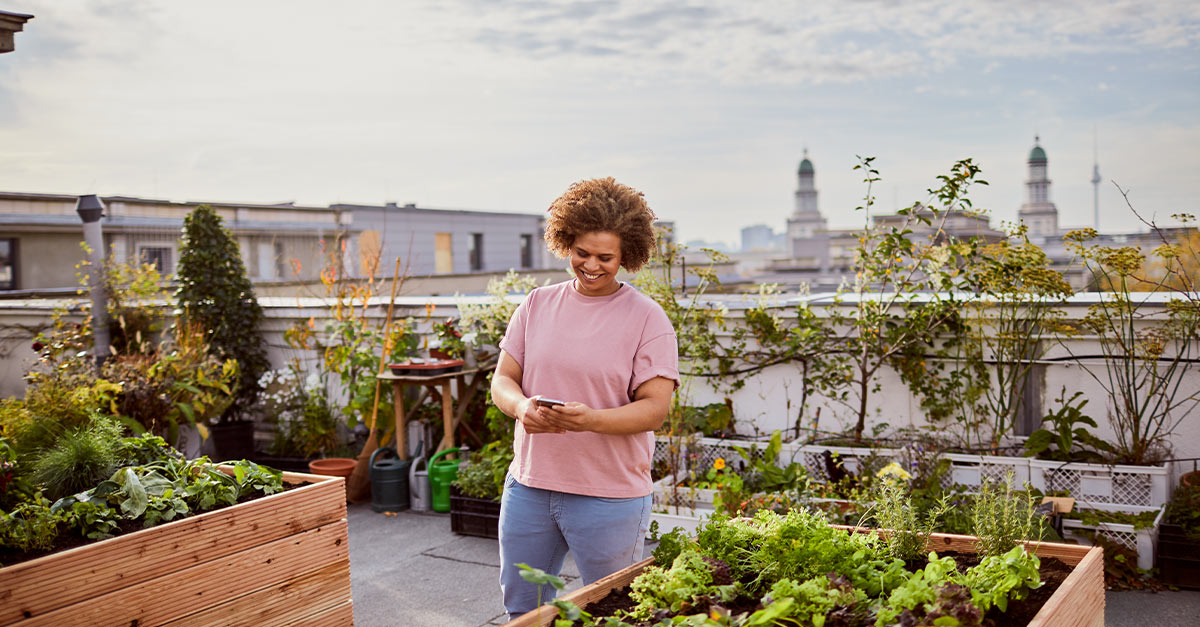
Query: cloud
x=780, y=42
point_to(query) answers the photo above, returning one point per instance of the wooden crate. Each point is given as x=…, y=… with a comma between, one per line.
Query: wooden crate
x=1078, y=602
x=279, y=559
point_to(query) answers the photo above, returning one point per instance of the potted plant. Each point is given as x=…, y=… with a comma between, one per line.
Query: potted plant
x=215, y=293
x=476, y=490
x=305, y=425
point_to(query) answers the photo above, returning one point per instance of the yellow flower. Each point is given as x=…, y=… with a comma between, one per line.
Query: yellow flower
x=719, y=464
x=893, y=470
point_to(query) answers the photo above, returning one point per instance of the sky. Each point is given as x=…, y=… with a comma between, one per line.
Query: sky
x=705, y=107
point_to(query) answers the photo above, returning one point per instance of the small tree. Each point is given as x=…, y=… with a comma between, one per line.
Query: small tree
x=215, y=293
x=904, y=293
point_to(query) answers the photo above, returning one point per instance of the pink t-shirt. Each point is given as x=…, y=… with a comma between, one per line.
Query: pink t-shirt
x=595, y=350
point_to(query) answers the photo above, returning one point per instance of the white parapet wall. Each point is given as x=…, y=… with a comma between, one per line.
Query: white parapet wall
x=769, y=400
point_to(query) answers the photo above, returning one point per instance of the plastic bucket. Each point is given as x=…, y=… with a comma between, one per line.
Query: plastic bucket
x=441, y=473
x=389, y=481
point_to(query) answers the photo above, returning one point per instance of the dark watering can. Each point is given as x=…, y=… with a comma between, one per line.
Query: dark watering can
x=389, y=481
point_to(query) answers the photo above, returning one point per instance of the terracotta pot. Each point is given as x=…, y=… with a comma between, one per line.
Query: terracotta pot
x=334, y=467
x=1190, y=478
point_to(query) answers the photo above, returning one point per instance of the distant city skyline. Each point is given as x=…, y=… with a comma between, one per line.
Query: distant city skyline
x=707, y=108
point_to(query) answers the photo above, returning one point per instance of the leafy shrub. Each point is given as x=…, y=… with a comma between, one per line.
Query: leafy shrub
x=1184, y=508
x=79, y=459
x=31, y=526
x=215, y=292
x=180, y=383
x=93, y=519
x=143, y=449
x=54, y=405
x=1061, y=439
x=14, y=488
x=483, y=476
x=305, y=422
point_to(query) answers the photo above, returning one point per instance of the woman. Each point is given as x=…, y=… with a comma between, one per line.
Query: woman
x=580, y=477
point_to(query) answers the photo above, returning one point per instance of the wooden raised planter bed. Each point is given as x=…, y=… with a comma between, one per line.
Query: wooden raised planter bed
x=1078, y=602
x=282, y=559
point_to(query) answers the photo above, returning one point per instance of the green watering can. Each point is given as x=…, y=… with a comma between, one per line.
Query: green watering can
x=441, y=473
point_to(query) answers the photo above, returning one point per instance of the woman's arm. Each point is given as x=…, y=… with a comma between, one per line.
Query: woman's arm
x=651, y=402
x=510, y=398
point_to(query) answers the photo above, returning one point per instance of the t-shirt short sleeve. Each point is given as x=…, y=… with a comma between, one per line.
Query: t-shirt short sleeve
x=514, y=336
x=658, y=356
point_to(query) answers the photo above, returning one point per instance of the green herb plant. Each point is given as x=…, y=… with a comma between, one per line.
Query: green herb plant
x=1002, y=517
x=908, y=529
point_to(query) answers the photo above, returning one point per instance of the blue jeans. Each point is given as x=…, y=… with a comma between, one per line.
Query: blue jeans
x=538, y=527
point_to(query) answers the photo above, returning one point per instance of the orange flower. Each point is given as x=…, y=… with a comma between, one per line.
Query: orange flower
x=719, y=464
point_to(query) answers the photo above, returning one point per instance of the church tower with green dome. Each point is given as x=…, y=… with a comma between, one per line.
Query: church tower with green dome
x=806, y=226
x=1038, y=212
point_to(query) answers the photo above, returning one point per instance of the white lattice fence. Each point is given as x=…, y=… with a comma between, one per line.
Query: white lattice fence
x=1142, y=541
x=1123, y=488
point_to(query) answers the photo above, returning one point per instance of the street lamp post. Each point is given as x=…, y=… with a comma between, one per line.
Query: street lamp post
x=90, y=210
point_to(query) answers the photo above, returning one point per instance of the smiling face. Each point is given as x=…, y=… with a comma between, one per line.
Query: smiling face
x=595, y=259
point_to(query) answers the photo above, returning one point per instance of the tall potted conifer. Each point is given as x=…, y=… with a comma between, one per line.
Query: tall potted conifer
x=215, y=293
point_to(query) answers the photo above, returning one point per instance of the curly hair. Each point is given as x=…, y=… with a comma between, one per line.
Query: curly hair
x=603, y=205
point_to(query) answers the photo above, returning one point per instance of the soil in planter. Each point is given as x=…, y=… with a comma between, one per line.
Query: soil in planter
x=69, y=538
x=1053, y=572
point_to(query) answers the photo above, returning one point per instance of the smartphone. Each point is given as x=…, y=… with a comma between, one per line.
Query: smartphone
x=549, y=402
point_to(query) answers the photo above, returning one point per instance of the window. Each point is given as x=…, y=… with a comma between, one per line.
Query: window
x=526, y=250
x=476, y=251
x=157, y=256
x=266, y=261
x=443, y=254
x=8, y=264
x=280, y=265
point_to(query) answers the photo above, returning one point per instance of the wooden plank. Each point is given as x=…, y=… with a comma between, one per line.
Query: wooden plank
x=297, y=598
x=338, y=616
x=54, y=581
x=1079, y=601
x=1080, y=604
x=208, y=584
x=546, y=614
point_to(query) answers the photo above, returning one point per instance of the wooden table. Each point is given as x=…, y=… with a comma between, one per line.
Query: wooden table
x=468, y=384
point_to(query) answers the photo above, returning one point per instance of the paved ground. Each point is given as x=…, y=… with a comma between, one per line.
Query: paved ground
x=410, y=570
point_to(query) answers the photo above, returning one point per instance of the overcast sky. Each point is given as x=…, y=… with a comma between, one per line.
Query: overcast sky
x=705, y=107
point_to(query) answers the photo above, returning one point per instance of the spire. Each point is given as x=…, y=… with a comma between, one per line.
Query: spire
x=806, y=166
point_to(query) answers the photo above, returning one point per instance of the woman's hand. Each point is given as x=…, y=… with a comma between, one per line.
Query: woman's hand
x=534, y=417
x=569, y=417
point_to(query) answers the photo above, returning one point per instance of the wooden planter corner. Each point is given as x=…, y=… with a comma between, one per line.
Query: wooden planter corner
x=1078, y=602
x=282, y=559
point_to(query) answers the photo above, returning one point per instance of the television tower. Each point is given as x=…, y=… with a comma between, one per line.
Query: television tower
x=1095, y=182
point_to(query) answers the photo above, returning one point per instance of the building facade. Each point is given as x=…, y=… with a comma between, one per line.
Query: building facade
x=41, y=236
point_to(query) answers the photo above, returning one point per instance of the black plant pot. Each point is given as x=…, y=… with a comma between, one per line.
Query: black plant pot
x=232, y=440
x=286, y=464
x=1178, y=557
